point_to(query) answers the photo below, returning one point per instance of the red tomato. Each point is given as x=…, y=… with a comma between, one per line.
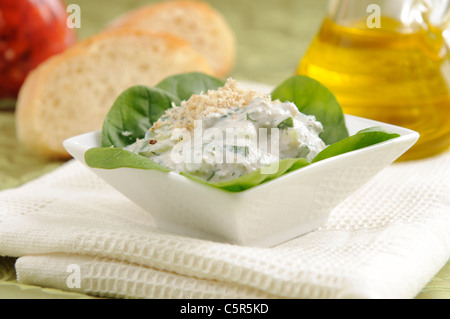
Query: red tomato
x=30, y=32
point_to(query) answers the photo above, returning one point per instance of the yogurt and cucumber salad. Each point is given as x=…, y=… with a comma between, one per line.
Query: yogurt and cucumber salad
x=217, y=133
x=227, y=133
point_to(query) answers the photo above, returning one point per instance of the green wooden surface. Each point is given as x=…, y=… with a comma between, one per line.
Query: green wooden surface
x=272, y=36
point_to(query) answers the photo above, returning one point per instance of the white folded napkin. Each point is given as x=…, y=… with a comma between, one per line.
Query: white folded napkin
x=74, y=232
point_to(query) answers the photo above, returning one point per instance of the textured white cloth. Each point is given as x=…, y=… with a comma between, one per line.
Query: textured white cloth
x=386, y=241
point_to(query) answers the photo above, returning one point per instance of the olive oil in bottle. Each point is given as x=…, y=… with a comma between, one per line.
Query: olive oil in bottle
x=401, y=78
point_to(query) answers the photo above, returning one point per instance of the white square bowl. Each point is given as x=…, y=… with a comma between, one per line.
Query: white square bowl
x=263, y=216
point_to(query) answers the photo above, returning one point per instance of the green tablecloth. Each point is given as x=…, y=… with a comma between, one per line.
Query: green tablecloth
x=272, y=36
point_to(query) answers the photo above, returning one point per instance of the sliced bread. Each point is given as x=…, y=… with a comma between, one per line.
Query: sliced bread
x=72, y=92
x=197, y=22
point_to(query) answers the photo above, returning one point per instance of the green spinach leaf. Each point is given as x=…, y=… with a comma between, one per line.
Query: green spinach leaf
x=133, y=113
x=113, y=157
x=183, y=86
x=312, y=98
x=362, y=139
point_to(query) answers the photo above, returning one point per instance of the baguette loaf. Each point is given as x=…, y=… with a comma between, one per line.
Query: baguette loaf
x=202, y=26
x=72, y=92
